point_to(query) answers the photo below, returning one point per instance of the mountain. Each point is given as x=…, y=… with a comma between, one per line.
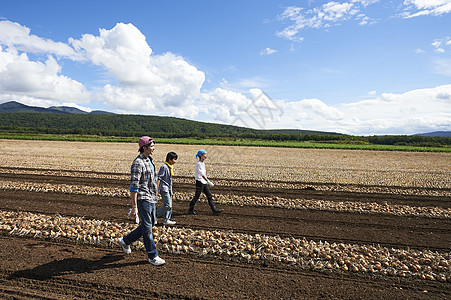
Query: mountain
x=436, y=133
x=298, y=131
x=68, y=110
x=16, y=107
x=161, y=124
x=17, y=117
x=101, y=112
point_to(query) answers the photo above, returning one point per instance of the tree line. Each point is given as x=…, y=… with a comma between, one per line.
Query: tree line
x=170, y=127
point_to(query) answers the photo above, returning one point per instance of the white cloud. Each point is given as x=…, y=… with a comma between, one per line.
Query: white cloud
x=126, y=99
x=268, y=51
x=365, y=20
x=415, y=111
x=166, y=84
x=319, y=109
x=334, y=13
x=160, y=80
x=42, y=80
x=15, y=35
x=441, y=45
x=415, y=8
x=141, y=81
x=243, y=85
x=327, y=15
x=225, y=105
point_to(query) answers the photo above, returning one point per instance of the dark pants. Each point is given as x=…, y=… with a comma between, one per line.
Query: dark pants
x=200, y=187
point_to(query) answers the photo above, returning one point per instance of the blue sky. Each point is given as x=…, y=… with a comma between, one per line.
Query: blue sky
x=359, y=67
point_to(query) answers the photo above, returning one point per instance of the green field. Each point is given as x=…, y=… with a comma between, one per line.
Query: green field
x=228, y=142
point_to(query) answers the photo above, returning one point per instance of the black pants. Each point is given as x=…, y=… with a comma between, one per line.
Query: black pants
x=200, y=187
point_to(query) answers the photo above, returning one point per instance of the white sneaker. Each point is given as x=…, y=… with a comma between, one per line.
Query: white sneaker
x=157, y=261
x=169, y=222
x=124, y=246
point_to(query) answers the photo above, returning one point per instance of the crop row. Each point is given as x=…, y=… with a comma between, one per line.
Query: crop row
x=240, y=200
x=368, y=168
x=301, y=253
x=252, y=183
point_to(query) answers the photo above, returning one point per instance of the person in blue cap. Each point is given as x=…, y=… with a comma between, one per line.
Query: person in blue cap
x=202, y=184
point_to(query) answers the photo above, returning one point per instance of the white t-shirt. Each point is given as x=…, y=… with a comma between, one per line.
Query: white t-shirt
x=200, y=171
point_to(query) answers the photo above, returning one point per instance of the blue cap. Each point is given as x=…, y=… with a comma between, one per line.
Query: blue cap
x=200, y=152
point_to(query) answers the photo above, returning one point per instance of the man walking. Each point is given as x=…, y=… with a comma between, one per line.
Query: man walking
x=143, y=193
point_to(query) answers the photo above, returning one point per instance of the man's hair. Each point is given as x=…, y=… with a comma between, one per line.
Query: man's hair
x=141, y=150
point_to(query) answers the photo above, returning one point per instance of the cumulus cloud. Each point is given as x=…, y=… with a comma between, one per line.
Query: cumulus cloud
x=143, y=82
x=160, y=80
x=327, y=15
x=36, y=82
x=415, y=111
x=23, y=77
x=140, y=81
x=415, y=8
x=225, y=105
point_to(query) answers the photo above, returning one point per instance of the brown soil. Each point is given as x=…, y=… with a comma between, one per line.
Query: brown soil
x=46, y=269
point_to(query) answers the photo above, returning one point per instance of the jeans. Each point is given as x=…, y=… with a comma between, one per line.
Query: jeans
x=166, y=210
x=146, y=212
x=200, y=187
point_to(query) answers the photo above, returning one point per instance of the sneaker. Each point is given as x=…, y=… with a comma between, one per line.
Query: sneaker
x=124, y=246
x=217, y=212
x=169, y=222
x=157, y=261
x=192, y=212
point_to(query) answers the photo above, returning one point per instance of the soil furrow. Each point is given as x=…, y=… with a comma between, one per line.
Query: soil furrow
x=106, y=274
x=413, y=232
x=380, y=198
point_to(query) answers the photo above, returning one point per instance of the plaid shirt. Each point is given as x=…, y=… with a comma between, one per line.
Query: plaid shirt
x=143, y=179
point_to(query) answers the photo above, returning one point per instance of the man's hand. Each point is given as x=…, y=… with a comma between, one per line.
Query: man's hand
x=134, y=214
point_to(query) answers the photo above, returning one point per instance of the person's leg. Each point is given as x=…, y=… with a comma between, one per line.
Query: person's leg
x=138, y=232
x=196, y=195
x=166, y=210
x=147, y=221
x=161, y=211
x=206, y=190
x=169, y=204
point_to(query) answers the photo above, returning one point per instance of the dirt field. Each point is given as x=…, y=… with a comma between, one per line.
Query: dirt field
x=323, y=198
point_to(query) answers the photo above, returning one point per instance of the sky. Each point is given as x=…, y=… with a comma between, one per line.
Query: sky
x=358, y=67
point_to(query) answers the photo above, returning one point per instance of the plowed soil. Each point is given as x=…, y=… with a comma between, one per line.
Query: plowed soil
x=46, y=269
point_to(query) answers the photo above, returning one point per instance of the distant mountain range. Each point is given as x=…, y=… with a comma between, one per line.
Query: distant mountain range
x=154, y=122
x=16, y=107
x=436, y=133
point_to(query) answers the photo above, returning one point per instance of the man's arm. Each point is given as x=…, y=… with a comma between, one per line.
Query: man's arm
x=134, y=197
